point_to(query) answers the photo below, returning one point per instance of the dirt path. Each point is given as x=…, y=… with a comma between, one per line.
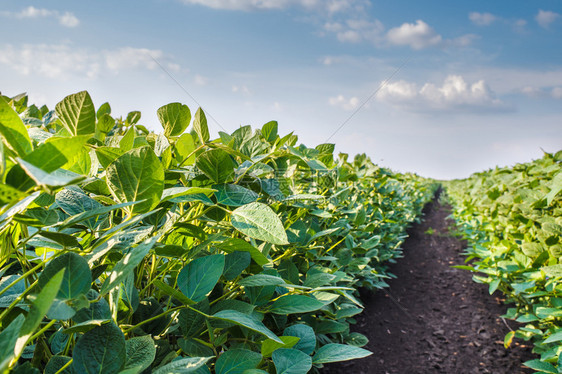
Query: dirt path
x=433, y=318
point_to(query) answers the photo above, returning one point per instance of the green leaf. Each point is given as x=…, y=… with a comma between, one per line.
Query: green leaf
x=141, y=352
x=199, y=277
x=236, y=244
x=174, y=117
x=77, y=276
x=56, y=152
x=541, y=366
x=291, y=361
x=128, y=140
x=305, y=333
x=170, y=291
x=235, y=361
x=291, y=304
x=56, y=363
x=77, y=114
x=100, y=350
x=178, y=192
x=184, y=149
x=269, y=346
x=127, y=264
x=74, y=202
x=260, y=222
x=75, y=219
x=106, y=155
x=269, y=131
x=234, y=195
x=105, y=108
x=85, y=326
x=13, y=130
x=105, y=123
x=182, y=366
x=200, y=126
x=338, y=352
x=40, y=305
x=57, y=178
x=137, y=175
x=8, y=338
x=556, y=337
x=262, y=280
x=247, y=321
x=216, y=164
x=235, y=263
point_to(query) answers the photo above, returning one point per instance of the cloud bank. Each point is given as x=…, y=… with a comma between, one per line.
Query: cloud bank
x=66, y=19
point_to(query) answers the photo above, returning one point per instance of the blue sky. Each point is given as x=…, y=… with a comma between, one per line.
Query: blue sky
x=480, y=82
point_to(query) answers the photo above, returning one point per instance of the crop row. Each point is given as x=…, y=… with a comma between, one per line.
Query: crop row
x=512, y=218
x=126, y=251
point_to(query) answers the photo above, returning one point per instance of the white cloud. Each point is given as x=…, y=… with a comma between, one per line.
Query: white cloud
x=482, y=19
x=356, y=30
x=545, y=17
x=556, y=92
x=341, y=101
x=200, y=80
x=64, y=61
x=66, y=19
x=244, y=90
x=418, y=36
x=455, y=94
x=328, y=6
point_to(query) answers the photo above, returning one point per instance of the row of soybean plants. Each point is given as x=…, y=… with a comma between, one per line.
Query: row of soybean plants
x=512, y=218
x=126, y=251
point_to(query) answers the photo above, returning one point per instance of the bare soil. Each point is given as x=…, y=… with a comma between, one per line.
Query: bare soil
x=434, y=318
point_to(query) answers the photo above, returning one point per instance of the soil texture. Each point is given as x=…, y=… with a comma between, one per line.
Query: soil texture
x=434, y=318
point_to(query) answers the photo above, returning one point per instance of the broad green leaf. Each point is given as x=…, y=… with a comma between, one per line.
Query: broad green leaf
x=236, y=361
x=305, y=333
x=184, y=149
x=13, y=130
x=338, y=352
x=106, y=155
x=234, y=195
x=75, y=219
x=194, y=348
x=56, y=363
x=9, y=194
x=235, y=244
x=57, y=178
x=269, y=346
x=18, y=207
x=105, y=108
x=56, y=152
x=77, y=114
x=247, y=321
x=137, y=175
x=216, y=164
x=85, y=326
x=200, y=126
x=556, y=337
x=262, y=280
x=199, y=277
x=8, y=338
x=40, y=305
x=235, y=263
x=183, y=366
x=127, y=264
x=542, y=366
x=128, y=140
x=74, y=202
x=133, y=117
x=170, y=291
x=178, y=192
x=291, y=304
x=77, y=276
x=175, y=118
x=260, y=222
x=269, y=131
x=291, y=361
x=100, y=350
x=105, y=123
x=141, y=351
